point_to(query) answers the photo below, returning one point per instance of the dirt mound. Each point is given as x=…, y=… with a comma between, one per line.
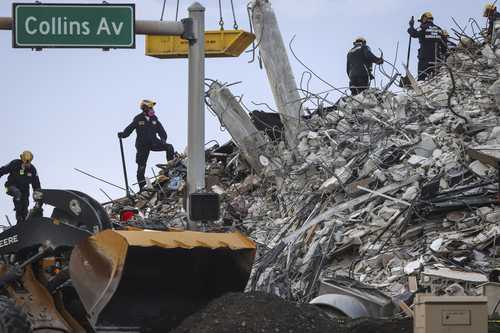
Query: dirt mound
x=260, y=312
x=257, y=312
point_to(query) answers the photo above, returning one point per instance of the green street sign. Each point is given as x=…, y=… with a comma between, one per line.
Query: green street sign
x=73, y=25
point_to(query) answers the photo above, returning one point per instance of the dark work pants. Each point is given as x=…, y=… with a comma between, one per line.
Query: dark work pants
x=358, y=84
x=143, y=154
x=426, y=69
x=21, y=202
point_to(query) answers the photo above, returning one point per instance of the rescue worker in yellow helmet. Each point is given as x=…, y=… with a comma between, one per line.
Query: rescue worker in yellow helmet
x=360, y=60
x=430, y=38
x=148, y=128
x=446, y=45
x=491, y=13
x=22, y=173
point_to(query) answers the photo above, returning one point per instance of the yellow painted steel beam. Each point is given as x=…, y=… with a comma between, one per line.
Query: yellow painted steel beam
x=218, y=43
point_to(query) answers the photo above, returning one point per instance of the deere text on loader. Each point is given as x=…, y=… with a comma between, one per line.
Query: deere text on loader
x=77, y=272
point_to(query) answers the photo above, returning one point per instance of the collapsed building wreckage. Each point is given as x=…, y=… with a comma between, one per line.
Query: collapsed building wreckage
x=397, y=191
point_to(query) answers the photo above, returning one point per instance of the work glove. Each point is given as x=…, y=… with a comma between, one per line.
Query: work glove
x=14, y=192
x=412, y=22
x=36, y=211
x=121, y=135
x=37, y=195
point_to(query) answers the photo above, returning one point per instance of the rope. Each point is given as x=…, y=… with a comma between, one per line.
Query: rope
x=235, y=25
x=221, y=20
x=177, y=11
x=163, y=10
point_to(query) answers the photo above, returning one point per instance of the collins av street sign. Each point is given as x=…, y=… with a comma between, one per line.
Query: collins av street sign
x=73, y=25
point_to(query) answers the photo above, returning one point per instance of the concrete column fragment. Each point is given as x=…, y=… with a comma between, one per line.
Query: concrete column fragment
x=279, y=71
x=231, y=115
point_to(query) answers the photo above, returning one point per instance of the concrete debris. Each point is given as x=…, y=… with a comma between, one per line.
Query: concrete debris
x=384, y=189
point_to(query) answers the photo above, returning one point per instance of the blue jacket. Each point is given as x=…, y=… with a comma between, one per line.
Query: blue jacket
x=146, y=129
x=19, y=177
x=360, y=60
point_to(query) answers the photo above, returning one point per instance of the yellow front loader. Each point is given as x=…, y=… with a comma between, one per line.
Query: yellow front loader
x=76, y=272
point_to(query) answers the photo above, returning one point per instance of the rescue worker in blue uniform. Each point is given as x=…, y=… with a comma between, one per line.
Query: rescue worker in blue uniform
x=22, y=173
x=430, y=37
x=360, y=60
x=148, y=128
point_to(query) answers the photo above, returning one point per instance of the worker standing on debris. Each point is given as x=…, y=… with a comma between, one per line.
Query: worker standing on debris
x=446, y=45
x=430, y=37
x=359, y=66
x=491, y=13
x=148, y=128
x=21, y=174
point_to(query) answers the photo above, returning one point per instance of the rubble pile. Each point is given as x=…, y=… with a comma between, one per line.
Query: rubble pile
x=390, y=186
x=395, y=190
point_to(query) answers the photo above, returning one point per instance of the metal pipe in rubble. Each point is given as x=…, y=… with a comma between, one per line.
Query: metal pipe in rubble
x=196, y=105
x=124, y=166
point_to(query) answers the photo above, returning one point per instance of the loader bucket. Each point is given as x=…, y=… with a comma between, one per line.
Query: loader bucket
x=134, y=279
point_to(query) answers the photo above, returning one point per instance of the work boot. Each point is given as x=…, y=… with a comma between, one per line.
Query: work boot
x=20, y=218
x=170, y=152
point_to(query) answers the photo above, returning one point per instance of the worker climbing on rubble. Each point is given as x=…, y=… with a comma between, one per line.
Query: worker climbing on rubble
x=430, y=37
x=446, y=45
x=360, y=60
x=148, y=128
x=491, y=13
x=21, y=174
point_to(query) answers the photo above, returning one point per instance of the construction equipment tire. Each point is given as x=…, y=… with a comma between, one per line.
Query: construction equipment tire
x=12, y=318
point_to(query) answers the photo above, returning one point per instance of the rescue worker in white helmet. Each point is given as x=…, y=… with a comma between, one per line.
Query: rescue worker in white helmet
x=430, y=37
x=22, y=173
x=360, y=60
x=148, y=128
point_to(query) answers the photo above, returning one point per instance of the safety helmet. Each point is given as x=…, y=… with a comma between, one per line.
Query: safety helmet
x=427, y=16
x=26, y=156
x=360, y=40
x=147, y=103
x=489, y=9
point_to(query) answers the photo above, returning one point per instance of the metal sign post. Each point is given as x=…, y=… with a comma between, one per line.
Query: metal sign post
x=196, y=106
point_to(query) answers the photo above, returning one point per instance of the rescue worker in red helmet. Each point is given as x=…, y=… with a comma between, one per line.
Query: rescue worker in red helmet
x=148, y=128
x=22, y=173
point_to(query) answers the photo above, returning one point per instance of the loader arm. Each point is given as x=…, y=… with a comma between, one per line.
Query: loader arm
x=76, y=216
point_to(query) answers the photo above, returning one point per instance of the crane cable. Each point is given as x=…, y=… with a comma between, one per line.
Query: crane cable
x=235, y=25
x=177, y=11
x=221, y=20
x=163, y=10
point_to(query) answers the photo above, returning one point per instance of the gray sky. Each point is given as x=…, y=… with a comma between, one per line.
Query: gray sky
x=67, y=105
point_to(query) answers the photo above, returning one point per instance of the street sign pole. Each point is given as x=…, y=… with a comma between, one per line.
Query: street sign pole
x=196, y=106
x=142, y=27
